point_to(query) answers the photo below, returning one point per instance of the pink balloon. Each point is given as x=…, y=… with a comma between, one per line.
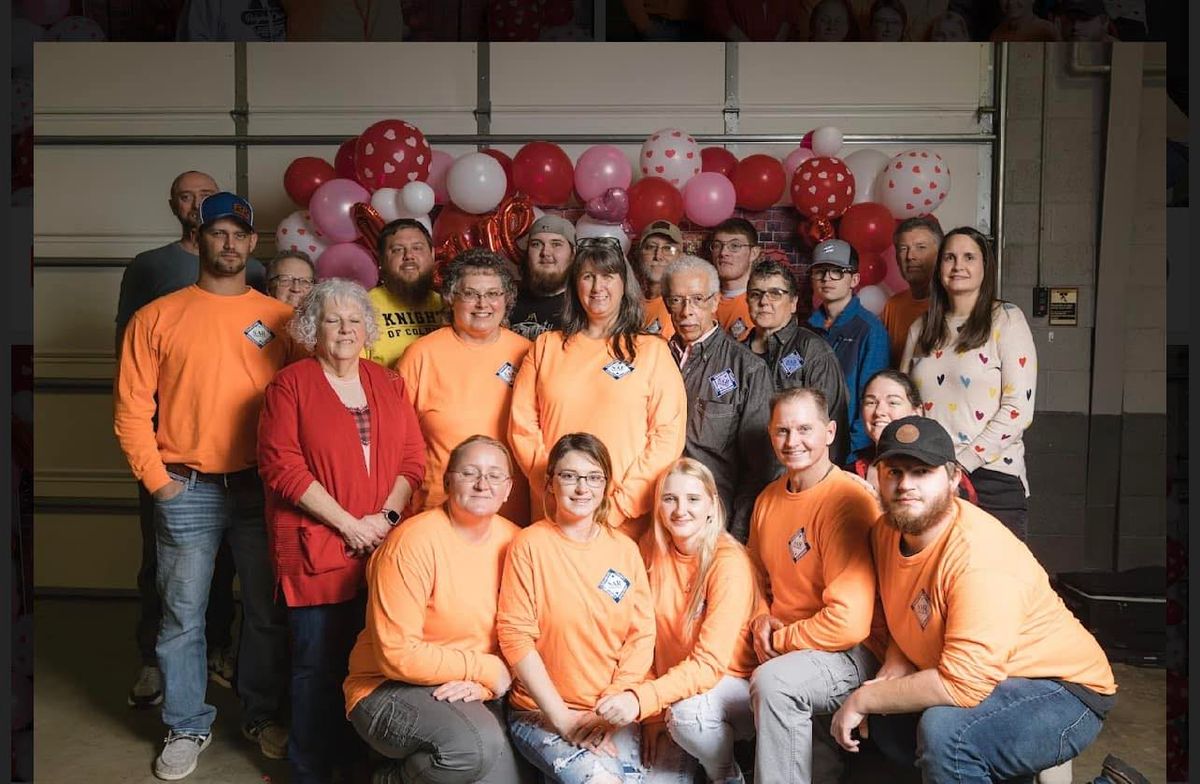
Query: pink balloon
x=794, y=159
x=708, y=198
x=330, y=208
x=439, y=166
x=893, y=280
x=45, y=12
x=600, y=168
x=611, y=206
x=350, y=261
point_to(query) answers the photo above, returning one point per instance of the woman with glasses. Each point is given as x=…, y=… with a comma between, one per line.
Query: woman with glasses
x=340, y=454
x=703, y=586
x=575, y=623
x=290, y=276
x=426, y=676
x=973, y=360
x=461, y=376
x=601, y=374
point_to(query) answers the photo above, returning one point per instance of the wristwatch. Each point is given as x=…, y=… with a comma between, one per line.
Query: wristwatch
x=393, y=517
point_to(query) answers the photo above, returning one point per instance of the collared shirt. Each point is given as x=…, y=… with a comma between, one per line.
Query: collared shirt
x=796, y=356
x=682, y=350
x=728, y=407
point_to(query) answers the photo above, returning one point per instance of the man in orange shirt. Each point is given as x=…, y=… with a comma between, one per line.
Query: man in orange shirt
x=208, y=352
x=917, y=241
x=987, y=676
x=660, y=244
x=809, y=544
x=734, y=248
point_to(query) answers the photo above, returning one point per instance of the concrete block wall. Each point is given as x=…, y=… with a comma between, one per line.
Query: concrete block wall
x=1076, y=457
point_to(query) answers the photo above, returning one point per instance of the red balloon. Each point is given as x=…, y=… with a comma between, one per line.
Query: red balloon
x=815, y=231
x=506, y=163
x=719, y=160
x=651, y=199
x=759, y=181
x=822, y=188
x=343, y=162
x=871, y=269
x=305, y=175
x=867, y=226
x=544, y=172
x=453, y=222
x=806, y=142
x=391, y=154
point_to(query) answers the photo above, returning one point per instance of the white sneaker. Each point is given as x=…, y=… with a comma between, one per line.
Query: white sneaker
x=179, y=754
x=147, y=689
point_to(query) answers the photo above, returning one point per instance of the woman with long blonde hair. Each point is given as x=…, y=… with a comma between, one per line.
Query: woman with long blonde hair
x=704, y=592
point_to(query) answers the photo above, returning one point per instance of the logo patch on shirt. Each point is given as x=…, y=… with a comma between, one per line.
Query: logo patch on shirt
x=922, y=608
x=738, y=327
x=723, y=383
x=791, y=363
x=654, y=327
x=618, y=369
x=798, y=545
x=615, y=584
x=259, y=334
x=507, y=373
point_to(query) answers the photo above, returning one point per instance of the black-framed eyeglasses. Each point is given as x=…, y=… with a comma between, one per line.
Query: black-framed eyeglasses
x=734, y=246
x=676, y=301
x=767, y=295
x=599, y=242
x=289, y=281
x=829, y=273
x=472, y=474
x=594, y=480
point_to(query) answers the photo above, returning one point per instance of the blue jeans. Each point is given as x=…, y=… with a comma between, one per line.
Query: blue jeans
x=189, y=531
x=321, y=737
x=565, y=763
x=1026, y=725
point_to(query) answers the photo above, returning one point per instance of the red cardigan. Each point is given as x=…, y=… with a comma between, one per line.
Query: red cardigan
x=306, y=435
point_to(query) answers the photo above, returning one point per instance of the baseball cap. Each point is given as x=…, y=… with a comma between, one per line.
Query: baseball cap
x=835, y=253
x=1085, y=8
x=226, y=205
x=918, y=437
x=665, y=228
x=550, y=224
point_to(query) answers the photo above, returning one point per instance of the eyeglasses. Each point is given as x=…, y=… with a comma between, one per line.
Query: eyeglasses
x=471, y=475
x=290, y=281
x=669, y=251
x=695, y=300
x=767, y=295
x=610, y=242
x=828, y=273
x=596, y=480
x=492, y=295
x=716, y=246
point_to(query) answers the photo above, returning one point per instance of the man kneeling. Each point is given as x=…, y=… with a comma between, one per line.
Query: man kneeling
x=988, y=676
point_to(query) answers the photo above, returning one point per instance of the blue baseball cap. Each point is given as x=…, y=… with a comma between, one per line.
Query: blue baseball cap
x=226, y=205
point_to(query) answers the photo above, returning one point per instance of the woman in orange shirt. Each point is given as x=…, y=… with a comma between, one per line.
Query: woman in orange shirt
x=576, y=623
x=704, y=592
x=426, y=676
x=601, y=373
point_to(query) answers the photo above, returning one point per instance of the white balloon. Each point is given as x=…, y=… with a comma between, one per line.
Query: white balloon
x=873, y=298
x=671, y=154
x=476, y=183
x=913, y=183
x=865, y=165
x=24, y=35
x=386, y=202
x=297, y=232
x=588, y=226
x=424, y=219
x=416, y=198
x=826, y=141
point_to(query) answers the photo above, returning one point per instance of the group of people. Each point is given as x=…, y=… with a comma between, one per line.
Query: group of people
x=658, y=516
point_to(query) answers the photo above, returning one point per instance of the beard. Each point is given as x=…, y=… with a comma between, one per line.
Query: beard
x=224, y=266
x=415, y=292
x=913, y=522
x=544, y=283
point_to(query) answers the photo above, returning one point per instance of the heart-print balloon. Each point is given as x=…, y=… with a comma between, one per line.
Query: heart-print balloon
x=914, y=183
x=817, y=191
x=297, y=232
x=671, y=154
x=391, y=154
x=610, y=207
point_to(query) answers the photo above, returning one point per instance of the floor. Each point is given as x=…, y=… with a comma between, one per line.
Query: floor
x=84, y=731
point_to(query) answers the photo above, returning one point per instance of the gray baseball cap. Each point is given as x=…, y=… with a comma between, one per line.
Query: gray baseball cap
x=835, y=253
x=551, y=224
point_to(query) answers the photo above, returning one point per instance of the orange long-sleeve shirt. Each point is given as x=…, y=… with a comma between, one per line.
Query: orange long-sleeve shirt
x=640, y=414
x=585, y=607
x=658, y=318
x=460, y=389
x=812, y=551
x=718, y=644
x=898, y=314
x=208, y=358
x=978, y=606
x=734, y=315
x=431, y=608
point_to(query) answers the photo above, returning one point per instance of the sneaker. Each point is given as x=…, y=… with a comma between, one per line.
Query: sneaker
x=147, y=689
x=179, y=754
x=1118, y=771
x=220, y=666
x=271, y=737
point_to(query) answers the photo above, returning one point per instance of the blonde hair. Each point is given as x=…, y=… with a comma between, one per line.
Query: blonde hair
x=710, y=535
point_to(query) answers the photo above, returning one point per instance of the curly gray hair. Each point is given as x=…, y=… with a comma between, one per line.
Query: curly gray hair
x=475, y=261
x=310, y=312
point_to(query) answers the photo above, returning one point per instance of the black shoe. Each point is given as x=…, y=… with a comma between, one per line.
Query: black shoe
x=1118, y=771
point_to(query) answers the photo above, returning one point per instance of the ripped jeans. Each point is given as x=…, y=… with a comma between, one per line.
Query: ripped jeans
x=565, y=763
x=706, y=726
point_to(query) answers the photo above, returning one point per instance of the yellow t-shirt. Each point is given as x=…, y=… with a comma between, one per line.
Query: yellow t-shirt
x=400, y=325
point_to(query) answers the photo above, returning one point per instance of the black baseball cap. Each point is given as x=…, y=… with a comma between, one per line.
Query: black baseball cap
x=916, y=437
